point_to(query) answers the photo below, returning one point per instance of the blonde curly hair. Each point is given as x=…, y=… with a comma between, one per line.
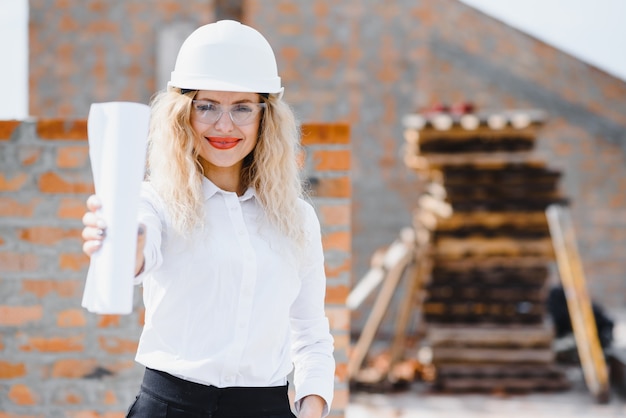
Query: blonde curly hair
x=271, y=168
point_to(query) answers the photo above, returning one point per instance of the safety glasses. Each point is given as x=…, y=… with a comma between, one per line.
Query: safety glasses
x=206, y=111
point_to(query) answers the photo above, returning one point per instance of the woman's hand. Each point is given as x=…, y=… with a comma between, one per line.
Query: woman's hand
x=312, y=406
x=94, y=233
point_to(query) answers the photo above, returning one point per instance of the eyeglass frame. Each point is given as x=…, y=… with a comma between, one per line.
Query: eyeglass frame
x=258, y=106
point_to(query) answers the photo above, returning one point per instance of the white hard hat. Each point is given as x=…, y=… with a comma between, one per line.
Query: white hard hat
x=226, y=56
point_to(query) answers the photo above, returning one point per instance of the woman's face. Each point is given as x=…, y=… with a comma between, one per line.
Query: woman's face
x=224, y=143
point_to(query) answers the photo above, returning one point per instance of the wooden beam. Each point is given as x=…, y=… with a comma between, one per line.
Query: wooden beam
x=490, y=335
x=578, y=302
x=388, y=288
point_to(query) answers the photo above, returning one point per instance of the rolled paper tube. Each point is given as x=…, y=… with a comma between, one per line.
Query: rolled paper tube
x=118, y=134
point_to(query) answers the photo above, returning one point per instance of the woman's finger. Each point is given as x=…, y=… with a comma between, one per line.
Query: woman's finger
x=93, y=203
x=90, y=233
x=90, y=247
x=93, y=220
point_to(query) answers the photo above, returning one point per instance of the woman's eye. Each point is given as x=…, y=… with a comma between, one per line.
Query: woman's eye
x=205, y=107
x=242, y=109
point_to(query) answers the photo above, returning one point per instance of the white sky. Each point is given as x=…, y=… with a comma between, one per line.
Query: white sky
x=591, y=30
x=14, y=67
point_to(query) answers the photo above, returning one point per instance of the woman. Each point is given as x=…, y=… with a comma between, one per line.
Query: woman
x=229, y=254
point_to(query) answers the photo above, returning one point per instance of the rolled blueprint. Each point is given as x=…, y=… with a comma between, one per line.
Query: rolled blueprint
x=117, y=134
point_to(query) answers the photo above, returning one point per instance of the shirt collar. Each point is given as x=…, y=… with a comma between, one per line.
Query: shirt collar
x=210, y=189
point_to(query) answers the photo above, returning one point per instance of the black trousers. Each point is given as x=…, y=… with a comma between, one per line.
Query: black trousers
x=165, y=396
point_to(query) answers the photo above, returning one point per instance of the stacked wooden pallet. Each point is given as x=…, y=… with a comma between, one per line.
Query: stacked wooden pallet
x=485, y=306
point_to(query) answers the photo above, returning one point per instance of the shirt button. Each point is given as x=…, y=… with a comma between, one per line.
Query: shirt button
x=241, y=232
x=228, y=378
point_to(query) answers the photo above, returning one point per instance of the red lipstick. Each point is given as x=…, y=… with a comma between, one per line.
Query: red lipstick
x=221, y=142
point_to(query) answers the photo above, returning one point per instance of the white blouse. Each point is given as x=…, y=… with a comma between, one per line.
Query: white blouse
x=235, y=304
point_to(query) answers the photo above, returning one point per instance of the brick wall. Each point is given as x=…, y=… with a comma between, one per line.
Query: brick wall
x=57, y=359
x=85, y=51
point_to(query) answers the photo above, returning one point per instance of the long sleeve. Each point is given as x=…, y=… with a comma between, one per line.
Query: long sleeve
x=312, y=343
x=149, y=208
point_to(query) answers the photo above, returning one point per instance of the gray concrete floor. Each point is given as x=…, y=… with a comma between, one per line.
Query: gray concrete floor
x=420, y=402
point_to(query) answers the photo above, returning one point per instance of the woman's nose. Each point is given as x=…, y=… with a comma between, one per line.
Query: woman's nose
x=224, y=122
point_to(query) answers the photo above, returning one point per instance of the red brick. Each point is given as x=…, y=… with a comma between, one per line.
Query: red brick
x=337, y=294
x=73, y=261
x=51, y=182
x=13, y=208
x=73, y=368
x=71, y=318
x=20, y=315
x=45, y=235
x=71, y=208
x=62, y=129
x=18, y=262
x=12, y=370
x=335, y=214
x=122, y=366
x=12, y=183
x=7, y=127
x=324, y=133
x=42, y=288
x=21, y=395
x=54, y=344
x=108, y=321
x=340, y=240
x=338, y=187
x=341, y=372
x=113, y=345
x=332, y=160
x=72, y=156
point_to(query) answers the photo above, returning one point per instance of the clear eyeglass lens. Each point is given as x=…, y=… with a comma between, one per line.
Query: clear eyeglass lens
x=240, y=114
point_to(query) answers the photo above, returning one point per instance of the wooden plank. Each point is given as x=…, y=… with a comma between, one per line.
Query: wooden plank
x=499, y=370
x=493, y=262
x=525, y=384
x=447, y=247
x=505, y=174
x=492, y=355
x=494, y=220
x=418, y=274
x=509, y=292
x=578, y=303
x=480, y=335
x=464, y=193
x=515, y=204
x=535, y=278
x=493, y=312
x=479, y=159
